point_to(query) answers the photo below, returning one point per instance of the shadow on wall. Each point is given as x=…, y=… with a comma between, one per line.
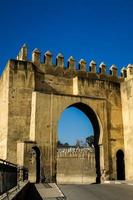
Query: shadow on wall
x=29, y=192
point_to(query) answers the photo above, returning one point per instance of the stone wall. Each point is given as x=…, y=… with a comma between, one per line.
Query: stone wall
x=21, y=85
x=127, y=111
x=4, y=106
x=76, y=166
x=33, y=94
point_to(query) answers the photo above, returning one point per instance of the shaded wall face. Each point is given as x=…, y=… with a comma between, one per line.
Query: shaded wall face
x=127, y=111
x=115, y=129
x=76, y=166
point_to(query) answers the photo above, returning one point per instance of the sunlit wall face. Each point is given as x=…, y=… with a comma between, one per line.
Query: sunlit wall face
x=74, y=126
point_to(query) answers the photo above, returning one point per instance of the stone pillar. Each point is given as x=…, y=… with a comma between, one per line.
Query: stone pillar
x=102, y=68
x=48, y=58
x=82, y=65
x=71, y=63
x=124, y=72
x=102, y=165
x=32, y=166
x=113, y=70
x=36, y=56
x=23, y=53
x=60, y=60
x=20, y=153
x=93, y=66
x=129, y=71
x=75, y=86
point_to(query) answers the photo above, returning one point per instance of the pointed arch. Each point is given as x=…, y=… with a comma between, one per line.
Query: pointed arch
x=92, y=116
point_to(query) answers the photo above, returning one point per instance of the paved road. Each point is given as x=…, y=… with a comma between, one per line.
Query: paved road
x=98, y=192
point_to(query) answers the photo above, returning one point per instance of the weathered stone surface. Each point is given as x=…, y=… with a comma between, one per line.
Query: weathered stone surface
x=127, y=114
x=76, y=166
x=32, y=97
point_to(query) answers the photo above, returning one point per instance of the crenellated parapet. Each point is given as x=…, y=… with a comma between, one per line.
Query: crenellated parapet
x=75, y=152
x=59, y=68
x=23, y=53
x=127, y=72
x=36, y=57
x=82, y=70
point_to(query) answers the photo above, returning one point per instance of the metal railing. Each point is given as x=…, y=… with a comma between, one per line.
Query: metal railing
x=11, y=175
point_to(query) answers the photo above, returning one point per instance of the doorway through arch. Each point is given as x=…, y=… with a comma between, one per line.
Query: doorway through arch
x=120, y=165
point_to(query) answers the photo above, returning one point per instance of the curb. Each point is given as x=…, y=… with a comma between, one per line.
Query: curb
x=117, y=182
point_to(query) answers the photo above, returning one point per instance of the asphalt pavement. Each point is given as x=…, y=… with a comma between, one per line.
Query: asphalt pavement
x=98, y=192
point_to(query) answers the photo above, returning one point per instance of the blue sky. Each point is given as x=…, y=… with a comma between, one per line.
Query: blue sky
x=74, y=125
x=101, y=30
x=91, y=29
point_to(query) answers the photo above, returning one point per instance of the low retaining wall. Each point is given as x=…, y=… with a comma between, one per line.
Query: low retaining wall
x=76, y=165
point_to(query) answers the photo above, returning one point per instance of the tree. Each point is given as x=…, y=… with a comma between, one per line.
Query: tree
x=60, y=144
x=90, y=141
x=66, y=144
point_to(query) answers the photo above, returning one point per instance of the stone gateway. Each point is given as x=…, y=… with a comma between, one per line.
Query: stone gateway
x=34, y=94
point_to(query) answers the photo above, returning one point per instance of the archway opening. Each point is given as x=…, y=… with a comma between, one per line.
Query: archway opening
x=93, y=130
x=120, y=164
x=74, y=128
x=37, y=162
